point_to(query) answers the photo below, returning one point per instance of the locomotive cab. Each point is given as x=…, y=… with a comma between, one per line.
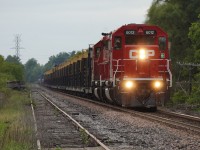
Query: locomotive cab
x=135, y=70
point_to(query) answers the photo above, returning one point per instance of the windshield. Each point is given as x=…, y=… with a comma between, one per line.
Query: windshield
x=140, y=40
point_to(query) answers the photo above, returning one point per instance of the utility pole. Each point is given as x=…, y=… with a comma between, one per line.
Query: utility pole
x=190, y=66
x=17, y=47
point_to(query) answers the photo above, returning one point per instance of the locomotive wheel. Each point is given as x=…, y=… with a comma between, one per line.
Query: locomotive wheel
x=118, y=100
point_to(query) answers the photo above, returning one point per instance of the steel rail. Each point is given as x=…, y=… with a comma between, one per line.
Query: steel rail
x=169, y=122
x=180, y=115
x=35, y=123
x=174, y=123
x=75, y=122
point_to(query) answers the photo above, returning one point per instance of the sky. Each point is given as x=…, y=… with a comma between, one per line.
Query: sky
x=48, y=27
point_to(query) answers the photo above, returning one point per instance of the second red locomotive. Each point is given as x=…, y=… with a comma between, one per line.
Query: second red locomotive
x=129, y=66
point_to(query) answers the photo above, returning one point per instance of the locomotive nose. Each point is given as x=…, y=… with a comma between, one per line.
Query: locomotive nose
x=143, y=92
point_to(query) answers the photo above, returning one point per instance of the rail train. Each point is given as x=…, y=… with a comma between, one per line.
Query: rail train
x=130, y=67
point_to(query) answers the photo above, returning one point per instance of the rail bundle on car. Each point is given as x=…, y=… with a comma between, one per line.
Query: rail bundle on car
x=129, y=67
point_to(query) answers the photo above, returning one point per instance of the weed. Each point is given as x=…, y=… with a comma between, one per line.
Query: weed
x=12, y=145
x=84, y=136
x=58, y=148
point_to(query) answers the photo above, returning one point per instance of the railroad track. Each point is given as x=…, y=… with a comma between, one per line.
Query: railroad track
x=184, y=116
x=178, y=121
x=174, y=120
x=79, y=127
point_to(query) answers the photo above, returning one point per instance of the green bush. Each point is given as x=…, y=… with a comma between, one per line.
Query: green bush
x=179, y=97
x=194, y=98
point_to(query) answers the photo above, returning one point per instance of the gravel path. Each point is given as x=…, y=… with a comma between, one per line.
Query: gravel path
x=120, y=130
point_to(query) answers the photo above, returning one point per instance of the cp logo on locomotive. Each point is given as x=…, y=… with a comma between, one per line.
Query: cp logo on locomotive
x=133, y=54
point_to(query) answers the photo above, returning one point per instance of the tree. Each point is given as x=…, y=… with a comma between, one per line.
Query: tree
x=10, y=71
x=194, y=35
x=175, y=17
x=13, y=59
x=15, y=71
x=58, y=59
x=33, y=70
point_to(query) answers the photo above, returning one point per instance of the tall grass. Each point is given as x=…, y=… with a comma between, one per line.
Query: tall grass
x=16, y=130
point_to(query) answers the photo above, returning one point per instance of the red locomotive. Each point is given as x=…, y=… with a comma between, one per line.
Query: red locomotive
x=129, y=67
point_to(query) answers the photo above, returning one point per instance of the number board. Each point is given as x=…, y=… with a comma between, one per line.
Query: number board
x=150, y=32
x=130, y=32
x=146, y=32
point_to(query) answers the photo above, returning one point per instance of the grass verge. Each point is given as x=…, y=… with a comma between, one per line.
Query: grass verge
x=16, y=131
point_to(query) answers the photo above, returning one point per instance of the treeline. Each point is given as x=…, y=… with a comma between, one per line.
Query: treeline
x=181, y=20
x=34, y=71
x=11, y=68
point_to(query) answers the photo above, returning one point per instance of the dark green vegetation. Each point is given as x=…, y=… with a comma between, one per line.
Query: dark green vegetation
x=10, y=70
x=16, y=131
x=181, y=20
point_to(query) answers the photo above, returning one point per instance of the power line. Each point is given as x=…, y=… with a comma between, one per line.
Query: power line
x=188, y=64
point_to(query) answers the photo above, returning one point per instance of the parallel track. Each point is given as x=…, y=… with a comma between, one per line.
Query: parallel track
x=152, y=116
x=184, y=116
x=78, y=125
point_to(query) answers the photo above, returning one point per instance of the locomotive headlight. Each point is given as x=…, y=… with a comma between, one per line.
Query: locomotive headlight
x=157, y=84
x=129, y=84
x=142, y=54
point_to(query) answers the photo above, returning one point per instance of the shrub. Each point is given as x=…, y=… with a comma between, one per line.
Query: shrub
x=179, y=97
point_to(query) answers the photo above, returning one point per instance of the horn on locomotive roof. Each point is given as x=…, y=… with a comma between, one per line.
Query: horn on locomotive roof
x=105, y=34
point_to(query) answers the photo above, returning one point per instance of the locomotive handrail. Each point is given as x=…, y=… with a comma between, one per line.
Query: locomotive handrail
x=170, y=73
x=168, y=68
x=116, y=70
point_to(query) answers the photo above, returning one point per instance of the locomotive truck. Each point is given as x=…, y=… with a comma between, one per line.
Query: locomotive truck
x=129, y=67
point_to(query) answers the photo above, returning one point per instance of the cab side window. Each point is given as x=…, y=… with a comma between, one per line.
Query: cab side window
x=97, y=52
x=105, y=44
x=162, y=43
x=117, y=43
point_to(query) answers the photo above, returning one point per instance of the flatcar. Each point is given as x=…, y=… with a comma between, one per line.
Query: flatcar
x=129, y=67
